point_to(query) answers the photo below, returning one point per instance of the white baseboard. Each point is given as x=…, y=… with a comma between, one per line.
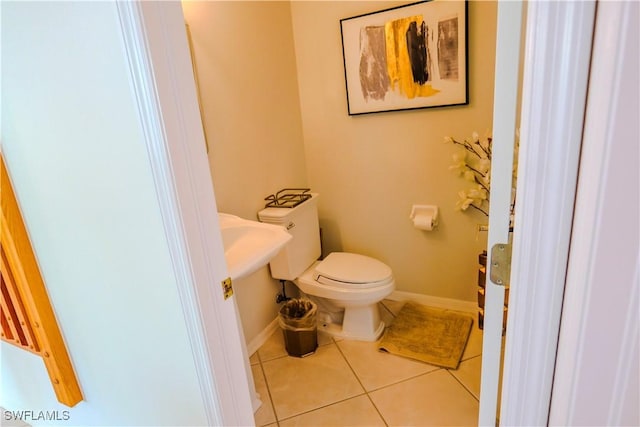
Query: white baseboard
x=262, y=337
x=448, y=303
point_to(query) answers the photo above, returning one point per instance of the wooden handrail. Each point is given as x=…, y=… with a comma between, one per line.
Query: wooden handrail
x=28, y=320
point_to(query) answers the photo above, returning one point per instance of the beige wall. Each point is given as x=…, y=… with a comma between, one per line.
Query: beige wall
x=248, y=83
x=272, y=83
x=370, y=169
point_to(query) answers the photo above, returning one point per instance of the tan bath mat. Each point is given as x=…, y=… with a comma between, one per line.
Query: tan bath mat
x=432, y=335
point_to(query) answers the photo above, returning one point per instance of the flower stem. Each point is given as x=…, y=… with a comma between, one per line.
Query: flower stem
x=475, y=177
x=487, y=150
x=466, y=147
x=481, y=184
x=480, y=209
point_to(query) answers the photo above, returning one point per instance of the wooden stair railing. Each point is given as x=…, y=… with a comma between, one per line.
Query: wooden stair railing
x=27, y=318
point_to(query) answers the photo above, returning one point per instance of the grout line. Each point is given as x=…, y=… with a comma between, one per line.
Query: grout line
x=272, y=358
x=278, y=419
x=362, y=385
x=406, y=379
x=323, y=406
x=377, y=410
x=388, y=309
x=351, y=368
x=264, y=375
x=463, y=385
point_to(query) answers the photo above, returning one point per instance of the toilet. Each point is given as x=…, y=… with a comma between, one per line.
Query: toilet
x=346, y=287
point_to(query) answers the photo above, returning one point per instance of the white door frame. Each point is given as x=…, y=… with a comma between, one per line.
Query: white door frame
x=553, y=106
x=556, y=69
x=597, y=378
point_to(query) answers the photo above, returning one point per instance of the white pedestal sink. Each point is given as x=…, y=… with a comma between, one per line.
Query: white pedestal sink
x=249, y=245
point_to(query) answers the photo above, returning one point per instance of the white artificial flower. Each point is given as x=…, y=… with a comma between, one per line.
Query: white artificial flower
x=463, y=202
x=460, y=156
x=485, y=143
x=484, y=165
x=459, y=165
x=477, y=194
x=473, y=163
x=477, y=148
x=486, y=180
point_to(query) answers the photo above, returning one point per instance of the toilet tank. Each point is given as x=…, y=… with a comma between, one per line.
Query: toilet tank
x=303, y=249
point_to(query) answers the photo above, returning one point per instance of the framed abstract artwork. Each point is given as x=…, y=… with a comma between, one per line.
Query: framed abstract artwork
x=406, y=57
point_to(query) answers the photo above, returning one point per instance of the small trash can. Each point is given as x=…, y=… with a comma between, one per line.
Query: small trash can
x=298, y=322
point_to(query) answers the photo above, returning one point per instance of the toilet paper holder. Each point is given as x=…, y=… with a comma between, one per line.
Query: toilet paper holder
x=424, y=217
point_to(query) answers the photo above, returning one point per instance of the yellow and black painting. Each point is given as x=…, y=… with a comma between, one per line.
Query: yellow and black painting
x=395, y=60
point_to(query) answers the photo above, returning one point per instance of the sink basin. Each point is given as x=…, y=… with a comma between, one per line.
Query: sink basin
x=249, y=245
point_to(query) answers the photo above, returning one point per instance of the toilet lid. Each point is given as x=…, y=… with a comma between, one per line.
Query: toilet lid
x=352, y=270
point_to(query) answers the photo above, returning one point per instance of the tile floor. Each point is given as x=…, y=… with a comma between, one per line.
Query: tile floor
x=351, y=383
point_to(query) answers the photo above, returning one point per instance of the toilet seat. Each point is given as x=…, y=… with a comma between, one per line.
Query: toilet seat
x=352, y=271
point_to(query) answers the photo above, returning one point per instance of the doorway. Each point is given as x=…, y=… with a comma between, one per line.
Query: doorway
x=542, y=46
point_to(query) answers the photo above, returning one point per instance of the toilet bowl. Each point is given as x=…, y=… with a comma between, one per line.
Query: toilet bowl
x=347, y=287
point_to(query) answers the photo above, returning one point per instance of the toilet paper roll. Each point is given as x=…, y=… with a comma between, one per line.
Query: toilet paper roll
x=423, y=222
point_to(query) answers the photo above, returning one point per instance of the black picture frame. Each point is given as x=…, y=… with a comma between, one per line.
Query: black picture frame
x=406, y=57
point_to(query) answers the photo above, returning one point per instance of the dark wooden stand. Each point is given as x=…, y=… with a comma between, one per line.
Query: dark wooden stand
x=482, y=278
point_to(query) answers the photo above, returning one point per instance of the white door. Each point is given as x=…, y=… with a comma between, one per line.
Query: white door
x=504, y=131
